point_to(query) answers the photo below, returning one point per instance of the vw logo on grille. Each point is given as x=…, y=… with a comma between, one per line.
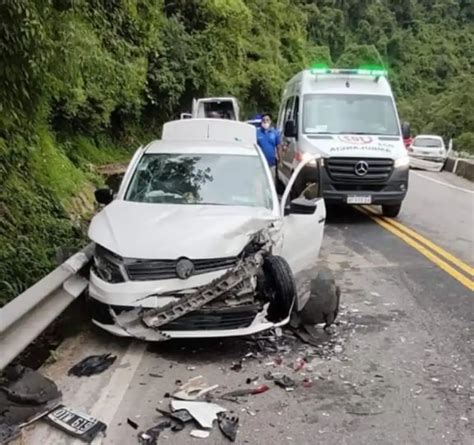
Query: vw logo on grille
x=361, y=168
x=184, y=268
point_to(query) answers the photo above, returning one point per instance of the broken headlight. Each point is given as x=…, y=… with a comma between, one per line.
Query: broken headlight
x=107, y=265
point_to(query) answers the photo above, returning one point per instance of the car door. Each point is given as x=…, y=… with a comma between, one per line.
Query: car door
x=302, y=233
x=286, y=163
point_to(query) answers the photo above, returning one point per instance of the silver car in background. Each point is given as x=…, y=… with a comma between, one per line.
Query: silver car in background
x=427, y=152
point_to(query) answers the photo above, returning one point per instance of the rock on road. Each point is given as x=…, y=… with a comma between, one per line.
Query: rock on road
x=398, y=369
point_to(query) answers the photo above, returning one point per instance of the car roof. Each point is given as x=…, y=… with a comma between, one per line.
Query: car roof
x=309, y=83
x=201, y=147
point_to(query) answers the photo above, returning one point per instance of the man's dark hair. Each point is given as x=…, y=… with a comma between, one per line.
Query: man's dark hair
x=267, y=115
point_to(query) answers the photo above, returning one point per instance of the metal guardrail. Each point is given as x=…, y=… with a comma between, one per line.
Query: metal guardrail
x=460, y=167
x=28, y=315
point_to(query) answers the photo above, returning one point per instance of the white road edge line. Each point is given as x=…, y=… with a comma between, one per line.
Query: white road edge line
x=112, y=395
x=442, y=183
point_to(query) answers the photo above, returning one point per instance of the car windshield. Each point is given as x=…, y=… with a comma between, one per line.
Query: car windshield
x=349, y=114
x=206, y=179
x=427, y=142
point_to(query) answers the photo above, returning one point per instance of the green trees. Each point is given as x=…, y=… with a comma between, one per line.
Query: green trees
x=79, y=78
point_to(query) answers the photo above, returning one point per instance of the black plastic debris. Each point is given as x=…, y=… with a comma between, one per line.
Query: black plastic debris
x=75, y=423
x=150, y=436
x=228, y=424
x=27, y=386
x=133, y=424
x=236, y=366
x=284, y=382
x=268, y=375
x=178, y=426
x=25, y=396
x=181, y=415
x=94, y=364
x=178, y=421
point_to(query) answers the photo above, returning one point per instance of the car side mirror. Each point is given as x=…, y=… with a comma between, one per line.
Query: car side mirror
x=406, y=130
x=104, y=196
x=290, y=129
x=186, y=116
x=301, y=206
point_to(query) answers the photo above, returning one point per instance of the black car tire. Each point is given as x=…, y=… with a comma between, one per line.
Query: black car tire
x=391, y=210
x=280, y=287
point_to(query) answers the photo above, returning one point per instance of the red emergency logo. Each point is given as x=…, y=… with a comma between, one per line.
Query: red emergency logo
x=356, y=139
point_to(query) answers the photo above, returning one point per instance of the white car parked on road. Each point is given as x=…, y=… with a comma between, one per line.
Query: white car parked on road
x=427, y=152
x=197, y=244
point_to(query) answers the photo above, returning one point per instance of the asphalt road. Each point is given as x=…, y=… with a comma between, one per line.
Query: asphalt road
x=399, y=368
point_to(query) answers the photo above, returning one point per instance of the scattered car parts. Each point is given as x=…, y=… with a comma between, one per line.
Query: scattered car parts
x=203, y=413
x=150, y=436
x=228, y=424
x=25, y=397
x=194, y=389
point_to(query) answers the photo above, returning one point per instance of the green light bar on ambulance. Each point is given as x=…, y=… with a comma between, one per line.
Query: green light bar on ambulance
x=372, y=71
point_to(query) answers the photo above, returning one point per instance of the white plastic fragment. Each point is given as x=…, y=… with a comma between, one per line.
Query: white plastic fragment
x=200, y=434
x=203, y=412
x=193, y=389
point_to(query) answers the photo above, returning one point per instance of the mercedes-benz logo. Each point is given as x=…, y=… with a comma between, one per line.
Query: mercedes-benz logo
x=361, y=168
x=184, y=268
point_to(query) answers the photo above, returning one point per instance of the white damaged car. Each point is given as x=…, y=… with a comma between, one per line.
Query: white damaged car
x=196, y=242
x=427, y=152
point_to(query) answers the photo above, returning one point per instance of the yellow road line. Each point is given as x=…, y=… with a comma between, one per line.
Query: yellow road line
x=421, y=249
x=439, y=250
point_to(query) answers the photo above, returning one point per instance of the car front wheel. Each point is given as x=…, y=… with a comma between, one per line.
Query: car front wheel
x=280, y=287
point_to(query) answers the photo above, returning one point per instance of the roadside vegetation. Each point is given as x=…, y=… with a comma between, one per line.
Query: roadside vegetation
x=83, y=82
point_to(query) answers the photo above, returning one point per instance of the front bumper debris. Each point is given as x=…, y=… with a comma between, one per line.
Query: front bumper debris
x=431, y=163
x=145, y=323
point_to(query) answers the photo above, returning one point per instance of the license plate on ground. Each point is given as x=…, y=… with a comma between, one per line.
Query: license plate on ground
x=75, y=423
x=359, y=199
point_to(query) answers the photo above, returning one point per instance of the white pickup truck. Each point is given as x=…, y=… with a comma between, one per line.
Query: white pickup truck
x=214, y=107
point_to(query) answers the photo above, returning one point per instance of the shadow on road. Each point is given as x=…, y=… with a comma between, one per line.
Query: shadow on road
x=211, y=350
x=345, y=214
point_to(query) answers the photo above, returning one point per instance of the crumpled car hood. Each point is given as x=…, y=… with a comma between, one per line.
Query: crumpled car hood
x=169, y=231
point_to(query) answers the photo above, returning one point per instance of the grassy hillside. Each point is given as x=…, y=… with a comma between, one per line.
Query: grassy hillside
x=84, y=81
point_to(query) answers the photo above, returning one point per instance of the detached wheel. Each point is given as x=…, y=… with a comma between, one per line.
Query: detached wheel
x=323, y=303
x=391, y=210
x=280, y=287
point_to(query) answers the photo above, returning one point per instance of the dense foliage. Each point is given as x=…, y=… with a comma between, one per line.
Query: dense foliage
x=79, y=78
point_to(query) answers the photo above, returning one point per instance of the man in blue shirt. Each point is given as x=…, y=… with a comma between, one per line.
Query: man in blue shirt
x=269, y=140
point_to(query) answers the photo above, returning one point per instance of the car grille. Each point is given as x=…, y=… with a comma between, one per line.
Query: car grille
x=343, y=169
x=359, y=187
x=145, y=270
x=233, y=318
x=210, y=319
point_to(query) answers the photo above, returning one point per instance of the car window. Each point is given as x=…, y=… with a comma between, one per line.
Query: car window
x=427, y=142
x=349, y=114
x=212, y=179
